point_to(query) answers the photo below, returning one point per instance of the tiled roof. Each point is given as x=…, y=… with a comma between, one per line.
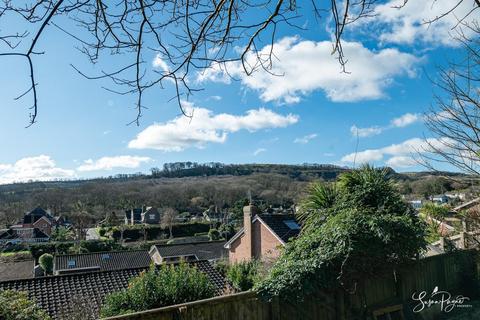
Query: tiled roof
x=56, y=294
x=210, y=250
x=103, y=261
x=16, y=270
x=35, y=214
x=279, y=224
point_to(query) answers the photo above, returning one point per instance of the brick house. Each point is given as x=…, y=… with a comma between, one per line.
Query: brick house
x=262, y=235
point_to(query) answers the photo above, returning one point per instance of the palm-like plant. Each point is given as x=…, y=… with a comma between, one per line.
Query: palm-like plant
x=320, y=197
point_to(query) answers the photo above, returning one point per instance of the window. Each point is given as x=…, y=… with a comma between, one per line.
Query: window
x=105, y=256
x=71, y=263
x=292, y=224
x=389, y=313
x=151, y=216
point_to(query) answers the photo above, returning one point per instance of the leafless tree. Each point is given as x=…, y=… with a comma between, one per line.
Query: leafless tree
x=81, y=219
x=454, y=119
x=187, y=36
x=169, y=216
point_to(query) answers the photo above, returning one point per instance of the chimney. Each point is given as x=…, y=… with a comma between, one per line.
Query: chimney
x=132, y=221
x=248, y=213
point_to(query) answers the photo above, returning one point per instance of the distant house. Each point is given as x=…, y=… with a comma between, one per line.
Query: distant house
x=100, y=261
x=416, y=204
x=440, y=199
x=211, y=251
x=133, y=216
x=261, y=236
x=146, y=215
x=17, y=234
x=151, y=216
x=40, y=219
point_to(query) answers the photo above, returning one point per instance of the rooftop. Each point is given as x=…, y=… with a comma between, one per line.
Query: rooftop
x=58, y=295
x=16, y=270
x=285, y=226
x=102, y=261
x=210, y=250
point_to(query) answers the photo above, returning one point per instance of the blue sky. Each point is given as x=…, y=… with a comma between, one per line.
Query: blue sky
x=311, y=114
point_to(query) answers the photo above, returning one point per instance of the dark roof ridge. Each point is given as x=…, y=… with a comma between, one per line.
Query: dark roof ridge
x=105, y=271
x=72, y=274
x=99, y=252
x=179, y=244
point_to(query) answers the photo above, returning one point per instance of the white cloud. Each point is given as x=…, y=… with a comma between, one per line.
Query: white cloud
x=205, y=127
x=305, y=139
x=401, y=154
x=407, y=25
x=406, y=120
x=365, y=132
x=400, y=122
x=109, y=163
x=305, y=66
x=33, y=169
x=363, y=156
x=159, y=63
x=258, y=151
x=401, y=162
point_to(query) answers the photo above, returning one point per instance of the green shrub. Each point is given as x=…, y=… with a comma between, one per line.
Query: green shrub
x=244, y=275
x=15, y=305
x=356, y=228
x=213, y=234
x=46, y=262
x=158, y=288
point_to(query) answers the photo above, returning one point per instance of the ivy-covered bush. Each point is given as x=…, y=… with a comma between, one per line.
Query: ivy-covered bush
x=15, y=305
x=353, y=229
x=244, y=275
x=158, y=288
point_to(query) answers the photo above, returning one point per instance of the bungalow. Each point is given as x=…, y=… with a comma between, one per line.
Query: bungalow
x=262, y=235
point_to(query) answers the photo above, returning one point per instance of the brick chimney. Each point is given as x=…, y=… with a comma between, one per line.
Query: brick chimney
x=248, y=213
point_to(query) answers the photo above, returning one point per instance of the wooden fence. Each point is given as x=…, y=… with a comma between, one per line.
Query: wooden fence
x=455, y=272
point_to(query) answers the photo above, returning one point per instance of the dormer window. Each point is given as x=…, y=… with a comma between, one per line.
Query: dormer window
x=71, y=263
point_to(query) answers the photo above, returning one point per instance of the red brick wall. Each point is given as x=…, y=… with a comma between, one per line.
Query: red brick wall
x=265, y=245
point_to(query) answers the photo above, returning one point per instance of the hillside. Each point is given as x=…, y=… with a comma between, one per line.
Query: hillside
x=188, y=186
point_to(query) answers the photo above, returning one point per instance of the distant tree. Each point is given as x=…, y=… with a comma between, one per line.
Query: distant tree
x=15, y=305
x=46, y=262
x=213, y=234
x=434, y=215
x=158, y=288
x=62, y=234
x=169, y=218
x=227, y=230
x=81, y=219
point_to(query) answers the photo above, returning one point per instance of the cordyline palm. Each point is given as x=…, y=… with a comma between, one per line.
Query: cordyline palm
x=320, y=197
x=366, y=187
